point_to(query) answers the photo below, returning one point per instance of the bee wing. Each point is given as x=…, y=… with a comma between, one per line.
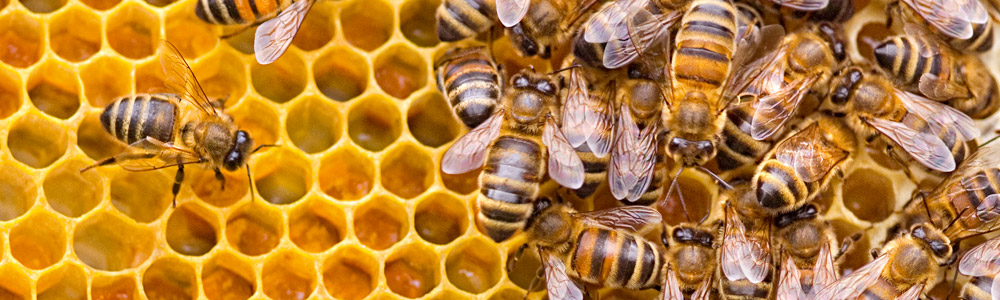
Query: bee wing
x=926, y=148
x=982, y=260
x=643, y=31
x=789, y=284
x=558, y=284
x=995, y=290
x=939, y=115
x=773, y=110
x=808, y=154
x=935, y=87
x=180, y=78
x=824, y=272
x=986, y=157
x=853, y=285
x=803, y=5
x=565, y=166
x=632, y=158
x=748, y=49
x=469, y=152
x=913, y=293
x=150, y=154
x=703, y=291
x=602, y=25
x=510, y=12
x=764, y=75
x=587, y=118
x=671, y=287
x=273, y=37
x=741, y=257
x=953, y=18
x=629, y=218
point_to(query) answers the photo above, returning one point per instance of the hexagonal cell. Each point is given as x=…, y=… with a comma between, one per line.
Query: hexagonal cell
x=407, y=171
x=66, y=282
x=75, y=35
x=869, y=195
x=10, y=89
x=365, y=23
x=242, y=42
x=525, y=269
x=210, y=190
x=318, y=27
x=149, y=78
x=254, y=229
x=192, y=229
x=94, y=140
x=350, y=273
x=192, y=36
x=464, y=183
x=52, y=88
x=43, y=6
x=440, y=218
x=431, y=120
x=14, y=284
x=228, y=277
x=314, y=124
x=346, y=174
x=507, y=294
x=107, y=242
x=400, y=71
x=858, y=255
x=473, y=265
x=417, y=22
x=38, y=241
x=17, y=191
x=133, y=31
x=105, y=79
x=412, y=271
x=316, y=225
x=259, y=118
x=222, y=74
x=697, y=199
x=101, y=4
x=374, y=123
x=285, y=178
x=142, y=196
x=114, y=287
x=341, y=74
x=170, y=278
x=36, y=141
x=288, y=275
x=22, y=35
x=871, y=35
x=281, y=80
x=380, y=222
x=70, y=192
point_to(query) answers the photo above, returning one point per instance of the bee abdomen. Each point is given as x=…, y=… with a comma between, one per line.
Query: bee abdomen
x=595, y=171
x=738, y=148
x=461, y=19
x=232, y=12
x=705, y=43
x=744, y=289
x=901, y=57
x=472, y=88
x=981, y=40
x=615, y=260
x=777, y=185
x=978, y=288
x=136, y=117
x=509, y=185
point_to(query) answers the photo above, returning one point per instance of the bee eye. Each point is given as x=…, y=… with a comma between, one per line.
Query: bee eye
x=706, y=147
x=939, y=248
x=682, y=234
x=676, y=144
x=855, y=76
x=546, y=87
x=840, y=95
x=521, y=82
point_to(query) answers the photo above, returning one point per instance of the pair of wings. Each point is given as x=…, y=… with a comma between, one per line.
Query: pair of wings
x=790, y=283
x=854, y=285
x=968, y=178
x=633, y=157
x=929, y=46
x=741, y=257
x=469, y=152
x=672, y=291
x=809, y=153
x=629, y=29
x=953, y=18
x=983, y=261
x=273, y=37
x=588, y=116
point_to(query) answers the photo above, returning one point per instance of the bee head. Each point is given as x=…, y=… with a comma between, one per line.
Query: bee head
x=848, y=82
x=689, y=235
x=938, y=242
x=691, y=153
x=237, y=156
x=805, y=212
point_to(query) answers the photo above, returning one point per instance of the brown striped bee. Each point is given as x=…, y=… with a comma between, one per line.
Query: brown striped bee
x=461, y=19
x=279, y=21
x=745, y=263
x=166, y=130
x=981, y=263
x=691, y=262
x=519, y=145
x=470, y=80
x=637, y=160
x=965, y=24
x=620, y=31
x=835, y=11
x=588, y=122
x=922, y=63
x=536, y=26
x=805, y=245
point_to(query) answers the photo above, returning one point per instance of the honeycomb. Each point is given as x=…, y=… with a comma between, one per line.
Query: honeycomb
x=352, y=205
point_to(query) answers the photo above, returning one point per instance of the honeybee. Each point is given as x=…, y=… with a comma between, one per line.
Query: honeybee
x=166, y=130
x=806, y=245
x=620, y=31
x=835, y=11
x=637, y=169
x=588, y=119
x=874, y=106
x=281, y=21
x=536, y=30
x=470, y=79
x=981, y=264
x=516, y=143
x=747, y=271
x=922, y=63
x=965, y=24
x=738, y=148
x=691, y=262
x=461, y=19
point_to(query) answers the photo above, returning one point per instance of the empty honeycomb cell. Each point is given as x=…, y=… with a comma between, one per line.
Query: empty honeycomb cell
x=407, y=171
x=17, y=191
x=133, y=31
x=254, y=229
x=316, y=225
x=193, y=37
x=431, y=120
x=696, y=197
x=192, y=229
x=228, y=277
x=871, y=35
x=341, y=74
x=281, y=80
x=412, y=271
x=869, y=195
x=107, y=242
x=52, y=88
x=142, y=196
x=473, y=265
x=22, y=36
x=400, y=71
x=94, y=140
x=242, y=41
x=313, y=124
x=75, y=34
x=149, y=78
x=318, y=27
x=524, y=269
x=14, y=284
x=10, y=91
x=101, y=4
x=283, y=177
x=43, y=6
x=38, y=241
x=210, y=190
x=374, y=123
x=380, y=222
x=464, y=183
x=417, y=22
x=507, y=294
x=288, y=275
x=36, y=141
x=440, y=218
x=71, y=192
x=259, y=119
x=105, y=79
x=222, y=74
x=365, y=23
x=350, y=273
x=67, y=282
x=114, y=288
x=170, y=278
x=858, y=255
x=346, y=174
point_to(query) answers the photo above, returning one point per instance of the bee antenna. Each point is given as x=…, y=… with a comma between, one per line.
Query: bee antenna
x=574, y=66
x=250, y=180
x=718, y=179
x=680, y=195
x=989, y=141
x=958, y=216
x=263, y=146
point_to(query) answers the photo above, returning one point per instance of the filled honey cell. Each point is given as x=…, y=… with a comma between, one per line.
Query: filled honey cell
x=242, y=41
x=210, y=190
x=440, y=218
x=407, y=171
x=417, y=21
x=14, y=284
x=222, y=74
x=228, y=277
x=105, y=287
x=191, y=36
x=365, y=24
x=70, y=192
x=314, y=124
x=316, y=225
x=17, y=191
x=160, y=3
x=260, y=119
x=431, y=120
x=284, y=178
x=473, y=265
x=75, y=34
x=869, y=195
x=133, y=31
x=36, y=141
x=170, y=278
x=380, y=223
x=870, y=36
x=52, y=88
x=288, y=275
x=10, y=90
x=105, y=241
x=38, y=241
x=464, y=183
x=104, y=80
x=22, y=35
x=318, y=27
x=689, y=201
x=192, y=229
x=142, y=196
x=346, y=174
x=374, y=123
x=412, y=271
x=67, y=282
x=399, y=71
x=281, y=80
x=101, y=4
x=254, y=229
x=350, y=273
x=43, y=6
x=94, y=140
x=341, y=74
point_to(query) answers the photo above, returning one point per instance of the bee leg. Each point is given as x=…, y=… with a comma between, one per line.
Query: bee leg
x=220, y=178
x=517, y=256
x=178, y=178
x=534, y=282
x=846, y=244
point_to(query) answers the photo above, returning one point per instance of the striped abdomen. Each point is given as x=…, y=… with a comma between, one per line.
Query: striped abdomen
x=509, y=184
x=947, y=134
x=981, y=40
x=739, y=148
x=704, y=45
x=470, y=82
x=133, y=118
x=901, y=57
x=964, y=196
x=232, y=12
x=780, y=182
x=461, y=19
x=595, y=171
x=615, y=259
x=978, y=288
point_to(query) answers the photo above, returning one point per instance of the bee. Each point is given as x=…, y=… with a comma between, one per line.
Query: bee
x=279, y=21
x=738, y=148
x=747, y=271
x=461, y=19
x=835, y=11
x=691, y=262
x=637, y=161
x=922, y=63
x=806, y=245
x=620, y=31
x=965, y=24
x=980, y=263
x=167, y=130
x=536, y=30
x=588, y=122
x=875, y=107
x=470, y=79
x=518, y=143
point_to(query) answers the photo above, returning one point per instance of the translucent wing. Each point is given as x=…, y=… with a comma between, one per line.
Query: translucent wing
x=986, y=157
x=938, y=115
x=632, y=158
x=763, y=75
x=150, y=154
x=558, y=284
x=950, y=19
x=937, y=88
x=773, y=110
x=644, y=31
x=789, y=282
x=565, y=166
x=273, y=37
x=512, y=11
x=756, y=42
x=926, y=148
x=469, y=152
x=995, y=290
x=629, y=218
x=809, y=154
x=803, y=5
x=588, y=117
x=741, y=257
x=913, y=293
x=602, y=25
x=982, y=260
x=671, y=287
x=703, y=291
x=180, y=78
x=853, y=285
x=824, y=272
